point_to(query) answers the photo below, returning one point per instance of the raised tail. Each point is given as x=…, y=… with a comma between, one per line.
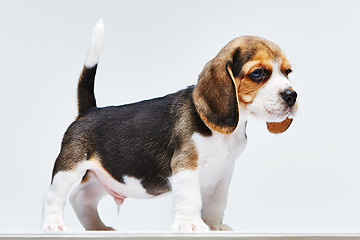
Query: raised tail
x=86, y=96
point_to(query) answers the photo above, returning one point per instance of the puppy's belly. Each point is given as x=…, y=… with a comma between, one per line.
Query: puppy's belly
x=131, y=187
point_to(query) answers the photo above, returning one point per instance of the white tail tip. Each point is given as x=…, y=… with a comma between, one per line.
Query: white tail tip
x=93, y=55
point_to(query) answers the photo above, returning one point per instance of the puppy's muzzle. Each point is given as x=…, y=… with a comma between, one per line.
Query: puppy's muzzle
x=289, y=97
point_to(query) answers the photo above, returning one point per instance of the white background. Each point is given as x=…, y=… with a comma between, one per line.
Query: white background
x=305, y=180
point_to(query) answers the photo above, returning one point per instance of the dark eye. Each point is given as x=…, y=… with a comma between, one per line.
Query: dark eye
x=288, y=71
x=258, y=75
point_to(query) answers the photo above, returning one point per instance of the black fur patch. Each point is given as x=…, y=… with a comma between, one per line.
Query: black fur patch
x=136, y=140
x=86, y=96
x=237, y=64
x=240, y=57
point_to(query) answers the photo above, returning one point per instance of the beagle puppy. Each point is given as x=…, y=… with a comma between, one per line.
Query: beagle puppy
x=185, y=143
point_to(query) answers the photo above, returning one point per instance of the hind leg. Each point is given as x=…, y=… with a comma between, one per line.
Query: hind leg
x=85, y=198
x=55, y=198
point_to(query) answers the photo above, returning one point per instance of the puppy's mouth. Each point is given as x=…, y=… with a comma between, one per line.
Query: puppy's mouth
x=279, y=115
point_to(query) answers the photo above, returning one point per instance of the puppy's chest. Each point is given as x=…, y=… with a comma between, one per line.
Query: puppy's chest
x=217, y=155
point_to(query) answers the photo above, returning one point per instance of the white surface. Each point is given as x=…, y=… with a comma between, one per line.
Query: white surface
x=176, y=236
x=306, y=180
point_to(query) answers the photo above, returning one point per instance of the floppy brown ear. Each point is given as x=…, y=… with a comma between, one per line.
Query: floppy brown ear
x=215, y=97
x=279, y=127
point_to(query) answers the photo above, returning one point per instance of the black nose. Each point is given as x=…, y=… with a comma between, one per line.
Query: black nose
x=289, y=96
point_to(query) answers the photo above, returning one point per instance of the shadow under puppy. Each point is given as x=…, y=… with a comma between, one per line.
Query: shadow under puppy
x=185, y=142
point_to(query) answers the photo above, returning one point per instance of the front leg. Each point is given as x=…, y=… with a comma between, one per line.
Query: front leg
x=187, y=202
x=214, y=201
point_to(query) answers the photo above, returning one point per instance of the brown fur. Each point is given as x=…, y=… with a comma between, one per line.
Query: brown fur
x=261, y=59
x=215, y=98
x=185, y=158
x=285, y=65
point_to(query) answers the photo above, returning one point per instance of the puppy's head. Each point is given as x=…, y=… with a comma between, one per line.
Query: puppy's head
x=251, y=74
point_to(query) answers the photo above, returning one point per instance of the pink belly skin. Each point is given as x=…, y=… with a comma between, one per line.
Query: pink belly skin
x=119, y=198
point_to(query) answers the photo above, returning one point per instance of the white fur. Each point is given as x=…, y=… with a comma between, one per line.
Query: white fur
x=187, y=202
x=94, y=52
x=202, y=193
x=214, y=201
x=268, y=104
x=55, y=198
x=217, y=155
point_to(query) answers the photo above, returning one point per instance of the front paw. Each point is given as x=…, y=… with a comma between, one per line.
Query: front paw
x=189, y=225
x=220, y=227
x=55, y=226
